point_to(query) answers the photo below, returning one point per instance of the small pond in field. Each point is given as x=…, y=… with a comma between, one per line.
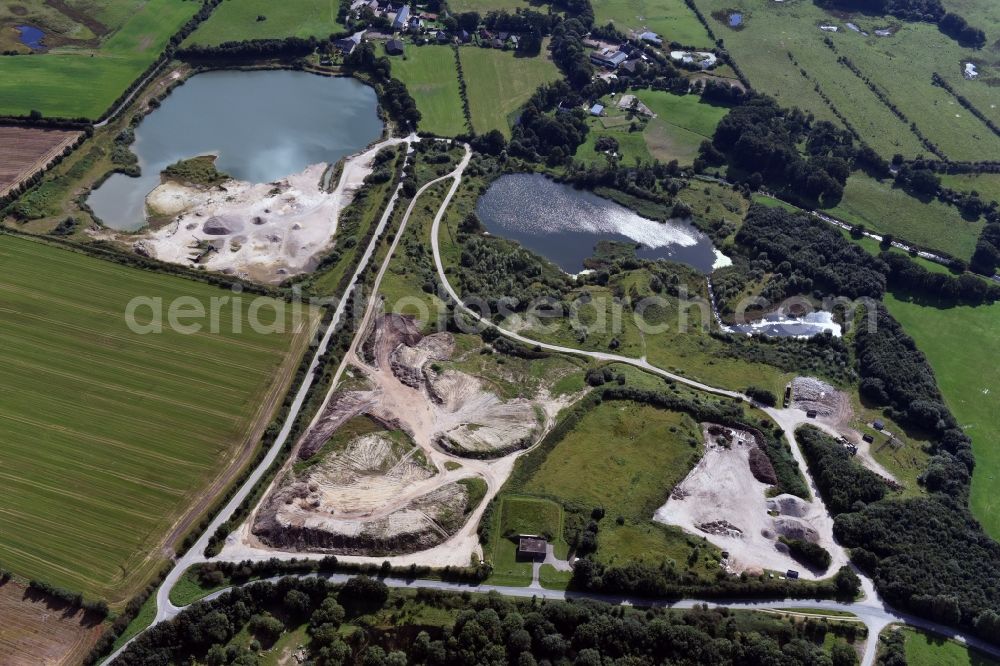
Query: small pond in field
x=31, y=37
x=564, y=224
x=262, y=125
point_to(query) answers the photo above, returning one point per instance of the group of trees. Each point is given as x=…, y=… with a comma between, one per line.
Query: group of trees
x=844, y=484
x=801, y=244
x=909, y=276
x=928, y=554
x=986, y=258
x=481, y=630
x=760, y=141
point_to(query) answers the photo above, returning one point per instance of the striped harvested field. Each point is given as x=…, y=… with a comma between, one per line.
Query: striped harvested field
x=110, y=439
x=25, y=150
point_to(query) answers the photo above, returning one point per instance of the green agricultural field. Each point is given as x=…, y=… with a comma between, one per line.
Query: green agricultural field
x=653, y=451
x=883, y=208
x=500, y=82
x=108, y=436
x=486, y=6
x=956, y=340
x=75, y=81
x=671, y=19
x=235, y=20
x=682, y=122
x=778, y=40
x=986, y=184
x=923, y=649
x=431, y=77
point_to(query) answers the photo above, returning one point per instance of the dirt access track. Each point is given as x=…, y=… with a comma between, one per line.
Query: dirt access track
x=27, y=150
x=35, y=629
x=375, y=499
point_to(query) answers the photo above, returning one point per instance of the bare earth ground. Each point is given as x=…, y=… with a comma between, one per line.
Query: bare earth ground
x=35, y=631
x=385, y=497
x=25, y=150
x=721, y=500
x=833, y=415
x=259, y=231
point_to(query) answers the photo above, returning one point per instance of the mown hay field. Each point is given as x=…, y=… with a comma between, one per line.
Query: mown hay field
x=500, y=82
x=41, y=630
x=672, y=20
x=778, y=40
x=109, y=437
x=431, y=77
x=956, y=340
x=25, y=150
x=83, y=81
x=236, y=20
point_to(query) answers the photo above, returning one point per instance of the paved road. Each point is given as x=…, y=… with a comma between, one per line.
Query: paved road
x=874, y=614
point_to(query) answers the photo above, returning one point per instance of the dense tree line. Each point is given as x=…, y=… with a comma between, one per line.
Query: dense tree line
x=814, y=249
x=644, y=580
x=486, y=629
x=930, y=556
x=908, y=276
x=896, y=375
x=393, y=95
x=844, y=484
x=250, y=49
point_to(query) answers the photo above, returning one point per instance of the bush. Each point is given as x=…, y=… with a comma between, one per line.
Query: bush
x=762, y=396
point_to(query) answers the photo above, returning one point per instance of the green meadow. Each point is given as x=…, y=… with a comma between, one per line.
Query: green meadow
x=956, y=341
x=923, y=649
x=431, y=77
x=778, y=41
x=886, y=209
x=236, y=20
x=108, y=435
x=500, y=82
x=672, y=20
x=73, y=82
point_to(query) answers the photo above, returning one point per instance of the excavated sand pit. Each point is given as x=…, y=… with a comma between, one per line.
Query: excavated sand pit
x=356, y=501
x=721, y=500
x=373, y=495
x=265, y=232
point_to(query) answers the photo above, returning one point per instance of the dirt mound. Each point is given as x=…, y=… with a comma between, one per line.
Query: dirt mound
x=407, y=361
x=222, y=225
x=341, y=408
x=761, y=467
x=793, y=528
x=788, y=505
x=420, y=524
x=831, y=405
x=474, y=420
